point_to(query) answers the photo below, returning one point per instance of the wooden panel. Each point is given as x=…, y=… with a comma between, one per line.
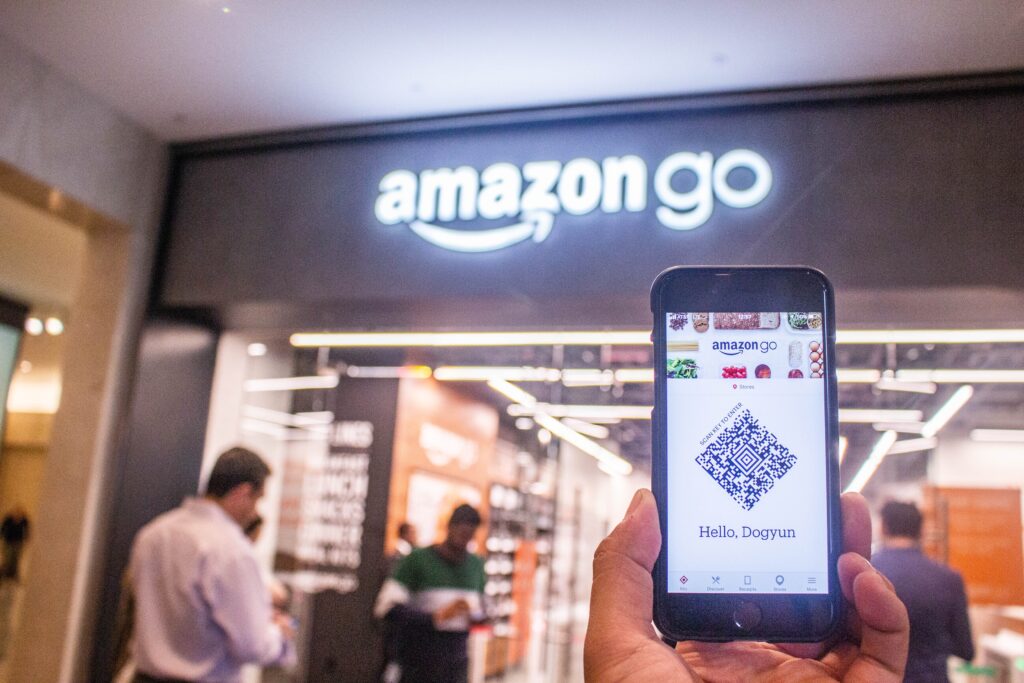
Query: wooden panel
x=978, y=533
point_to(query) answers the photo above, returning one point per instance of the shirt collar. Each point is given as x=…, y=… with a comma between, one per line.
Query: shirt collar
x=207, y=508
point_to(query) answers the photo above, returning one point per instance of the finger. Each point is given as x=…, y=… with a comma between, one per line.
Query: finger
x=885, y=629
x=856, y=521
x=621, y=643
x=622, y=588
x=856, y=524
x=850, y=566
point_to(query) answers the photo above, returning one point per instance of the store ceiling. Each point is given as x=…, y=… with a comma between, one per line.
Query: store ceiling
x=991, y=406
x=189, y=69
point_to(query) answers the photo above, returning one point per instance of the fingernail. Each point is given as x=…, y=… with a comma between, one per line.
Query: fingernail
x=635, y=503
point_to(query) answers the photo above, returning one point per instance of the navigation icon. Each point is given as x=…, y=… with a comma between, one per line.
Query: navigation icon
x=780, y=579
x=683, y=580
x=716, y=579
x=746, y=580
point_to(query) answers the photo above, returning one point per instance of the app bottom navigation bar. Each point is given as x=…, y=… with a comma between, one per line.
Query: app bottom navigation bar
x=754, y=582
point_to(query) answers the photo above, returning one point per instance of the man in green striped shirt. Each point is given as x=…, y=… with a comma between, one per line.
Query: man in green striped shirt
x=432, y=599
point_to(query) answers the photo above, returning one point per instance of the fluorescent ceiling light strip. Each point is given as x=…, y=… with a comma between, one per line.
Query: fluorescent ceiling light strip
x=905, y=427
x=513, y=393
x=913, y=445
x=844, y=443
x=998, y=435
x=587, y=428
x=610, y=462
x=483, y=373
x=944, y=414
x=953, y=376
x=875, y=458
x=627, y=338
x=1009, y=336
x=634, y=375
x=587, y=377
x=889, y=384
x=552, y=338
x=584, y=412
x=868, y=415
x=383, y=372
x=320, y=416
x=858, y=375
x=292, y=383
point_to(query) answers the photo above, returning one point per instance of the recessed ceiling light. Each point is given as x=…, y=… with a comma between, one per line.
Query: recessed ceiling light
x=34, y=326
x=25, y=366
x=257, y=349
x=225, y=10
x=54, y=326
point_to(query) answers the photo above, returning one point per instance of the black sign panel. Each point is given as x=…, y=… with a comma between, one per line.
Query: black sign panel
x=905, y=192
x=344, y=544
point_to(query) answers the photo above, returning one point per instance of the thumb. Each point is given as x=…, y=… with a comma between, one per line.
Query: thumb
x=885, y=628
x=622, y=591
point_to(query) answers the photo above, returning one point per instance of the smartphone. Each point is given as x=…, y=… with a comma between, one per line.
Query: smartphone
x=745, y=454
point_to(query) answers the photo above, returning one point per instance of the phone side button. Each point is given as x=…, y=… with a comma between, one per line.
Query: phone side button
x=747, y=616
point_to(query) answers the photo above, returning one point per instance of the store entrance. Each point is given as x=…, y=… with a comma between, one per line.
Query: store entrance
x=549, y=435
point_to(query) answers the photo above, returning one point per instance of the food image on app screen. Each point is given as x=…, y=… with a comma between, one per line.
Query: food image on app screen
x=746, y=460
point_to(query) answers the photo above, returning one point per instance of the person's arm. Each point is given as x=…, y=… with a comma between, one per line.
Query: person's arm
x=240, y=604
x=960, y=623
x=395, y=595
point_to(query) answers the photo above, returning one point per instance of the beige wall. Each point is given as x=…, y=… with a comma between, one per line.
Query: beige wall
x=65, y=138
x=23, y=460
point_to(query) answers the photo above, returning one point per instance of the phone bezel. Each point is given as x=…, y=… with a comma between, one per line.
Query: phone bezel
x=709, y=617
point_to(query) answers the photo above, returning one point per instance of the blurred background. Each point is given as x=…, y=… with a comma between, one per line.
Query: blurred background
x=425, y=233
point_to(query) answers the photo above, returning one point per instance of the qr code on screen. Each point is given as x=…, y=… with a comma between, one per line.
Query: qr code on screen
x=746, y=460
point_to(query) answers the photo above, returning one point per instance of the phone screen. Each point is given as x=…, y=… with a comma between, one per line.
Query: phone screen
x=746, y=453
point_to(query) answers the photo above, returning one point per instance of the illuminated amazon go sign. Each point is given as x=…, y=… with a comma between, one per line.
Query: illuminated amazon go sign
x=533, y=195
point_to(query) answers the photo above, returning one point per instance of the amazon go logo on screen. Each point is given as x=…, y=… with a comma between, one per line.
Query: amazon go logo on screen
x=538, y=191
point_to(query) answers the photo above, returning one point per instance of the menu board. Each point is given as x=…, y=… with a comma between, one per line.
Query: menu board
x=334, y=511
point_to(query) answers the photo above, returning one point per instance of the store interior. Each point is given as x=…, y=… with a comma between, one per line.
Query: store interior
x=549, y=433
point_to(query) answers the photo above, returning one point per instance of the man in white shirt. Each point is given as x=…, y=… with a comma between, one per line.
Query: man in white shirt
x=202, y=609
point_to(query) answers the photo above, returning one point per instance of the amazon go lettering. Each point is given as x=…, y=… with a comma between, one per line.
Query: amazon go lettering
x=539, y=190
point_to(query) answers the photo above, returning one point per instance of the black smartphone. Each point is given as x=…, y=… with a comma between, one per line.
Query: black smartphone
x=745, y=454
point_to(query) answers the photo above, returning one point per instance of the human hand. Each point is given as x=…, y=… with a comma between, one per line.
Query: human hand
x=284, y=622
x=456, y=608
x=621, y=644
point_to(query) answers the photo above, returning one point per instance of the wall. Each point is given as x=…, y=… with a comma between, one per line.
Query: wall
x=960, y=462
x=60, y=136
x=23, y=460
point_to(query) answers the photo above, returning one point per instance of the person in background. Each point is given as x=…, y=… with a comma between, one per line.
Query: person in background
x=280, y=596
x=405, y=544
x=934, y=595
x=431, y=600
x=14, y=530
x=202, y=609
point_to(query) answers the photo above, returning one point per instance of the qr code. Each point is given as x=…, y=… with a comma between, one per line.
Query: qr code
x=746, y=460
